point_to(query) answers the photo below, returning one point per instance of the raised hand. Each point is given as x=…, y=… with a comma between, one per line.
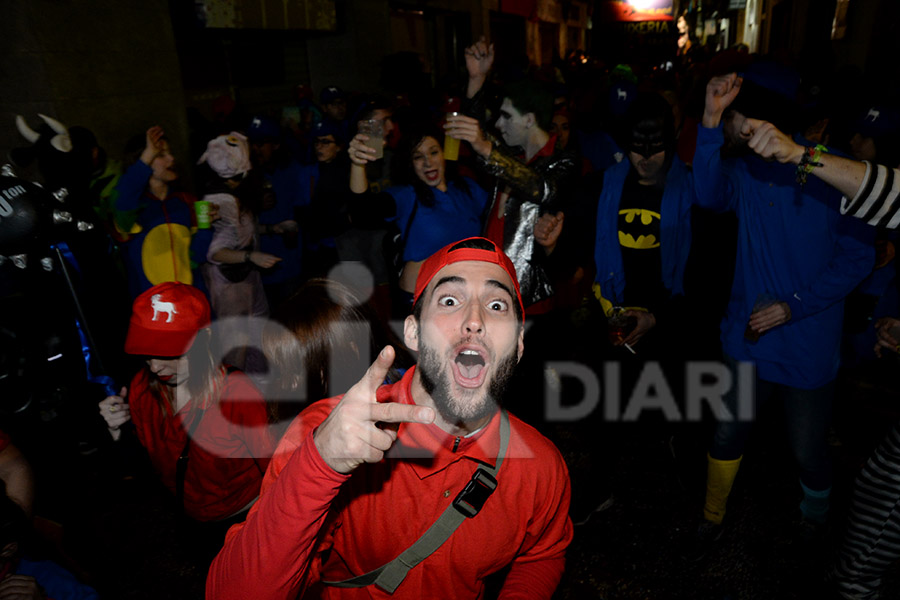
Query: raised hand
x=359, y=153
x=479, y=58
x=720, y=93
x=360, y=429
x=767, y=141
x=468, y=129
x=153, y=146
x=115, y=412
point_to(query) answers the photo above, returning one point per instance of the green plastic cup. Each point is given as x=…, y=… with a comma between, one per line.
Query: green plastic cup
x=201, y=207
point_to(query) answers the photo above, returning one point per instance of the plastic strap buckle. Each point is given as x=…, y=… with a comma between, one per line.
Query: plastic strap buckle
x=470, y=500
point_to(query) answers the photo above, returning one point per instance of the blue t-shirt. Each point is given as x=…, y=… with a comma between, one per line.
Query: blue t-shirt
x=456, y=215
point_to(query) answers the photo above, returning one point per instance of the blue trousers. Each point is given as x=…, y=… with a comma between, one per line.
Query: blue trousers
x=808, y=416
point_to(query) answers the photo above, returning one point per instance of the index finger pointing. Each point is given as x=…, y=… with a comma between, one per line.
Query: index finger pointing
x=377, y=371
x=394, y=412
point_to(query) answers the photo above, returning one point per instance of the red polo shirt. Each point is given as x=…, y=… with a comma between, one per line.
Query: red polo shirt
x=313, y=524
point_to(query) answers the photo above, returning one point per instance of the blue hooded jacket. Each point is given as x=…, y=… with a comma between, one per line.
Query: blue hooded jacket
x=675, y=229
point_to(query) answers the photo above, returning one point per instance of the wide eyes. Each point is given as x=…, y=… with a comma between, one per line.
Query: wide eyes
x=493, y=305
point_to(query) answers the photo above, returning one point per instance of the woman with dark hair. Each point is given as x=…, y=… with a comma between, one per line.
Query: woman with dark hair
x=320, y=342
x=204, y=426
x=432, y=207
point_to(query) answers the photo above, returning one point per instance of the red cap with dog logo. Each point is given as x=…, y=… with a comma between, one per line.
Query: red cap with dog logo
x=165, y=320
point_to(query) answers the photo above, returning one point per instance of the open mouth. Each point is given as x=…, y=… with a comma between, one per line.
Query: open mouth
x=432, y=175
x=470, y=368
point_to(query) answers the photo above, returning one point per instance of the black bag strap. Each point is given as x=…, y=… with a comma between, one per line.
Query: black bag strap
x=182, y=462
x=466, y=505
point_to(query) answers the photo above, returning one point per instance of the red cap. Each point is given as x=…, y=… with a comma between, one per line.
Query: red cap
x=165, y=320
x=452, y=253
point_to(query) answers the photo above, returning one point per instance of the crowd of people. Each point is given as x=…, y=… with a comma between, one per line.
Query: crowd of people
x=312, y=452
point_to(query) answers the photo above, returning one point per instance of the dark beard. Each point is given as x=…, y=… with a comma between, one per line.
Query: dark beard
x=459, y=411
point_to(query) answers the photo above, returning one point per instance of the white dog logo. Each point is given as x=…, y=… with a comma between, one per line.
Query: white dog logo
x=622, y=94
x=162, y=307
x=874, y=114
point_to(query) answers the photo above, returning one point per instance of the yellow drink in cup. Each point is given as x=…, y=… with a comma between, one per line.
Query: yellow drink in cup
x=451, y=145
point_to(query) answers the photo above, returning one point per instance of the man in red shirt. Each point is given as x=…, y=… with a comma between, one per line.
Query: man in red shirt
x=358, y=479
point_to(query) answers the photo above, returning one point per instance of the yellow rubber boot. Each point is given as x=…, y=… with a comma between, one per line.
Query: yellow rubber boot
x=720, y=475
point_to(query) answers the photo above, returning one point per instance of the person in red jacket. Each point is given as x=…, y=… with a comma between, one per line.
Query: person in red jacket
x=357, y=479
x=189, y=409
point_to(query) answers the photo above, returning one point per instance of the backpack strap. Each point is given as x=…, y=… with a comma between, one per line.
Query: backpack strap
x=466, y=505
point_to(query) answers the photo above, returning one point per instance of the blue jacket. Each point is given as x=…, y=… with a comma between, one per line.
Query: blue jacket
x=675, y=229
x=292, y=186
x=793, y=244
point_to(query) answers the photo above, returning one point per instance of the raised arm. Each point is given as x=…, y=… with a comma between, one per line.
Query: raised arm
x=870, y=191
x=713, y=188
x=479, y=60
x=360, y=155
x=133, y=181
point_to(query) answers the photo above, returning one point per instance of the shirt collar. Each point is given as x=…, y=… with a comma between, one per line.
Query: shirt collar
x=547, y=150
x=428, y=448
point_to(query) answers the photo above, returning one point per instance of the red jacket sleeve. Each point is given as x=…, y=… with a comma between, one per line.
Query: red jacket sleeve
x=269, y=555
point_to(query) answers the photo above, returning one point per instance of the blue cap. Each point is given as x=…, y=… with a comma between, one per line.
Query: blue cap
x=327, y=127
x=263, y=129
x=332, y=93
x=878, y=121
x=621, y=95
x=777, y=78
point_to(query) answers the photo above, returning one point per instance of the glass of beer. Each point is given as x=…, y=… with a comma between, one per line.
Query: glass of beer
x=374, y=129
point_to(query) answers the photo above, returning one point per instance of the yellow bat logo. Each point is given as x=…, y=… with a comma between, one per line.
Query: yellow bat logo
x=643, y=242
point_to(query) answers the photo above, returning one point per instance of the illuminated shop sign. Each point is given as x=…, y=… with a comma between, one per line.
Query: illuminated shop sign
x=638, y=10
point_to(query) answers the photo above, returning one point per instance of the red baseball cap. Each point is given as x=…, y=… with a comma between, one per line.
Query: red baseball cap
x=165, y=320
x=460, y=251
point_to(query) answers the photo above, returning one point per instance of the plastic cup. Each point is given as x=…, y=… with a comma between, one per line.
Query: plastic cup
x=451, y=145
x=619, y=325
x=374, y=129
x=201, y=208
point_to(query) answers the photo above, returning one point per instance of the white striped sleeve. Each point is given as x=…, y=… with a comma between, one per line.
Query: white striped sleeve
x=878, y=199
